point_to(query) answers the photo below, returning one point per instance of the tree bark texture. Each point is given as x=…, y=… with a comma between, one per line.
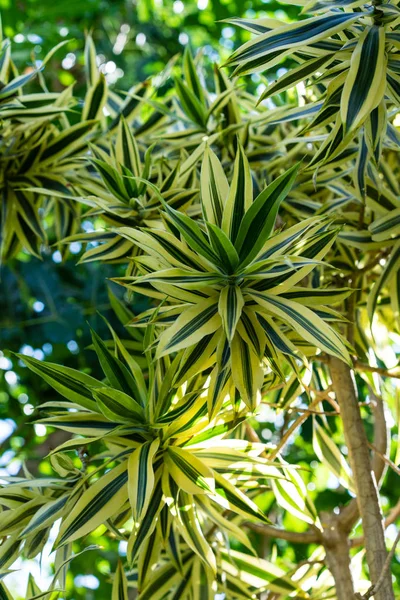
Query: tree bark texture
x=337, y=548
x=364, y=479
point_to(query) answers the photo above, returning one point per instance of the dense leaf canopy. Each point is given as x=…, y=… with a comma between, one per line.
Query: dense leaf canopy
x=200, y=292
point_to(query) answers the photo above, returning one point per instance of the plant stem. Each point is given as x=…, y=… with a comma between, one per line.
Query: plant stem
x=364, y=480
x=337, y=548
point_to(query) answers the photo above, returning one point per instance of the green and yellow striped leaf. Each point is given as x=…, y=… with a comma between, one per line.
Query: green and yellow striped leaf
x=231, y=498
x=230, y=306
x=120, y=584
x=95, y=99
x=71, y=384
x=97, y=504
x=141, y=477
x=191, y=326
x=118, y=406
x=305, y=322
x=247, y=372
x=189, y=472
x=148, y=524
x=259, y=219
x=214, y=188
x=389, y=274
x=223, y=248
x=191, y=104
x=116, y=372
x=187, y=521
x=240, y=195
x=253, y=55
x=366, y=81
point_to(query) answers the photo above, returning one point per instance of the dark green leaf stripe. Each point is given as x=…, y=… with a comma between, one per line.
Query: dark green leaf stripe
x=190, y=103
x=16, y=83
x=225, y=492
x=97, y=503
x=217, y=204
x=196, y=535
x=118, y=405
x=173, y=250
x=69, y=379
x=309, y=28
x=223, y=248
x=193, y=325
x=193, y=355
x=389, y=271
x=115, y=371
x=251, y=332
x=272, y=335
x=14, y=522
x=191, y=74
x=142, y=476
x=146, y=556
x=231, y=308
x=129, y=105
x=148, y=521
x=365, y=75
x=239, y=204
x=62, y=422
x=29, y=214
x=191, y=232
x=259, y=220
x=308, y=326
x=200, y=413
x=247, y=370
x=61, y=143
x=386, y=225
x=189, y=471
x=162, y=577
x=46, y=514
x=261, y=573
x=96, y=98
x=293, y=76
x=4, y=593
x=7, y=555
x=173, y=415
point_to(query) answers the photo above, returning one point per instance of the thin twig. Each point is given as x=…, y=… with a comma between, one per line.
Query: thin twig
x=297, y=423
x=379, y=370
x=391, y=518
x=304, y=537
x=375, y=588
x=385, y=458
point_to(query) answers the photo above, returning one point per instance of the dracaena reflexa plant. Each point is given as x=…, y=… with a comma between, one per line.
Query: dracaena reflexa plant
x=38, y=150
x=165, y=470
x=231, y=286
x=353, y=48
x=158, y=453
x=123, y=197
x=215, y=113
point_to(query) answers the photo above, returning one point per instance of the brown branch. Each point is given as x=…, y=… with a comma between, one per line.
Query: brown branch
x=297, y=423
x=365, y=484
x=296, y=537
x=252, y=434
x=391, y=518
x=360, y=366
x=337, y=548
x=384, y=458
x=393, y=515
x=350, y=513
x=374, y=589
x=331, y=413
